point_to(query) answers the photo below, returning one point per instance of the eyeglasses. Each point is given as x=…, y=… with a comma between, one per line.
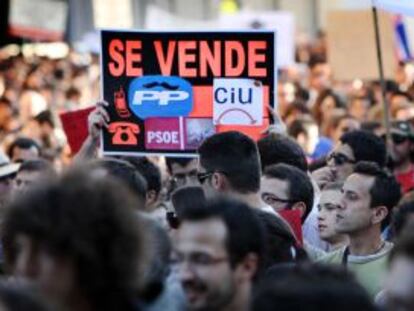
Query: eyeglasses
x=202, y=177
x=397, y=139
x=196, y=260
x=271, y=199
x=339, y=158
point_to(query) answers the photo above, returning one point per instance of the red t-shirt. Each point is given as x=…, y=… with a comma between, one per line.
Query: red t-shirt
x=406, y=180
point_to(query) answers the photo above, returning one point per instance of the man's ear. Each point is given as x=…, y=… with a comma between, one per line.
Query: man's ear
x=247, y=268
x=219, y=182
x=151, y=197
x=301, y=206
x=379, y=213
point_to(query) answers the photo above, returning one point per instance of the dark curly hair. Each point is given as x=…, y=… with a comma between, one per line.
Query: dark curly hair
x=90, y=221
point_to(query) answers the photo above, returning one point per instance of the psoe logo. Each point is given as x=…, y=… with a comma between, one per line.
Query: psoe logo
x=160, y=96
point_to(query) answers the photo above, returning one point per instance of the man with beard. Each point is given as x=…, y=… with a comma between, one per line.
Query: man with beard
x=401, y=147
x=218, y=251
x=368, y=196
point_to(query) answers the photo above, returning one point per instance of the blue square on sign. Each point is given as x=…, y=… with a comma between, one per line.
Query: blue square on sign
x=160, y=96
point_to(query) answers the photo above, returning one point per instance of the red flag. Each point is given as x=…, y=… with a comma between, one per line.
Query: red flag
x=75, y=125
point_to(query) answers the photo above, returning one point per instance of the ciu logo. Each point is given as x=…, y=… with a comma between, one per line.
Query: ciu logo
x=160, y=96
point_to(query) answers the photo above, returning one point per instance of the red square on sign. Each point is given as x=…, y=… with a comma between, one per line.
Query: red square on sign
x=164, y=134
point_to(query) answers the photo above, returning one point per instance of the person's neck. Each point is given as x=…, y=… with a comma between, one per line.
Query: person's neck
x=339, y=242
x=402, y=168
x=241, y=299
x=367, y=242
x=251, y=199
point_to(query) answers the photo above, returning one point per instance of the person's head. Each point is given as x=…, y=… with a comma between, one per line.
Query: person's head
x=297, y=109
x=399, y=98
x=79, y=239
x=359, y=107
x=187, y=197
x=401, y=144
x=152, y=175
x=277, y=148
x=354, y=147
x=23, y=149
x=229, y=162
x=402, y=217
x=31, y=172
x=320, y=74
x=124, y=172
x=325, y=104
x=73, y=95
x=404, y=112
x=311, y=288
x=218, y=253
x=328, y=206
x=287, y=187
x=6, y=113
x=306, y=132
x=183, y=171
x=280, y=243
x=45, y=122
x=399, y=282
x=343, y=124
x=368, y=196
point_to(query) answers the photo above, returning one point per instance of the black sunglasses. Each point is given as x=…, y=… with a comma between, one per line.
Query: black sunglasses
x=396, y=138
x=340, y=159
x=202, y=177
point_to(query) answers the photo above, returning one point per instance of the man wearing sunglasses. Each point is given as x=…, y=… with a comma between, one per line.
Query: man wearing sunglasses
x=401, y=149
x=353, y=147
x=230, y=165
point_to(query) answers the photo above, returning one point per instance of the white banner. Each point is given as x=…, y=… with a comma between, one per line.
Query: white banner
x=280, y=21
x=405, y=7
x=38, y=20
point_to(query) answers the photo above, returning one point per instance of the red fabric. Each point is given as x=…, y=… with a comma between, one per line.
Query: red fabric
x=406, y=180
x=292, y=217
x=75, y=125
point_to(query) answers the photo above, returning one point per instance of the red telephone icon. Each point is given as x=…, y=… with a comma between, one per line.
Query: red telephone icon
x=120, y=103
x=124, y=133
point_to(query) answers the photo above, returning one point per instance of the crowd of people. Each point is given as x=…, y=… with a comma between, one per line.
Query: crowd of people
x=86, y=232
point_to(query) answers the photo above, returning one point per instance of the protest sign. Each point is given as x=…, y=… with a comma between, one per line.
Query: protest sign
x=351, y=45
x=168, y=91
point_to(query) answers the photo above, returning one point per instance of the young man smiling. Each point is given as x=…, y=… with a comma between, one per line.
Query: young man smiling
x=218, y=252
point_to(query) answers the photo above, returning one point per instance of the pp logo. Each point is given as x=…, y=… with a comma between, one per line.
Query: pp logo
x=160, y=96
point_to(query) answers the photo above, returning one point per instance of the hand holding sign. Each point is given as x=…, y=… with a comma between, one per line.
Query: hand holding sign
x=97, y=119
